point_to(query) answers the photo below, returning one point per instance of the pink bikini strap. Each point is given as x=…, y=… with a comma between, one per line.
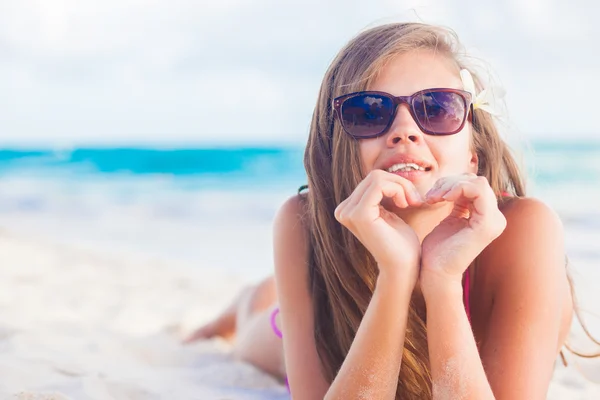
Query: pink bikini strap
x=274, y=325
x=466, y=294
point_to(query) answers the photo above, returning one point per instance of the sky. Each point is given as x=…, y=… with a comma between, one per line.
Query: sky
x=78, y=72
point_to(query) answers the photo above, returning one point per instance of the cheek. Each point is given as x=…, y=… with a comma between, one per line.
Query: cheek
x=453, y=153
x=369, y=151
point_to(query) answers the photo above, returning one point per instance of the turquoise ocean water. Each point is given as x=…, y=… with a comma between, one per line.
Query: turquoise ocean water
x=233, y=168
x=171, y=201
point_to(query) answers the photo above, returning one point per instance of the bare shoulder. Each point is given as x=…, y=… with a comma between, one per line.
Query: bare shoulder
x=290, y=234
x=534, y=233
x=291, y=213
x=528, y=255
x=531, y=224
x=519, y=211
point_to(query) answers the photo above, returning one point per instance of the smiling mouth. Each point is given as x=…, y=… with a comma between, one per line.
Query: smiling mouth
x=408, y=167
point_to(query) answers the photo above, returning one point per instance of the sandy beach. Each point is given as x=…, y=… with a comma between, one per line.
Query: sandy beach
x=79, y=325
x=103, y=275
x=82, y=324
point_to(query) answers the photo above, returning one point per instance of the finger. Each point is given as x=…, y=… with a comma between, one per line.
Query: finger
x=401, y=200
x=472, y=192
x=410, y=196
x=351, y=200
x=367, y=209
x=355, y=196
x=433, y=193
x=379, y=178
x=413, y=196
x=339, y=211
x=376, y=192
x=445, y=184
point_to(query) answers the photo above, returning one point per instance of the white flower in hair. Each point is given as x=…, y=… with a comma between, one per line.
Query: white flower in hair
x=486, y=99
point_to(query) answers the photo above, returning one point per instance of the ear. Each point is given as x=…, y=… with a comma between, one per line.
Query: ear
x=474, y=162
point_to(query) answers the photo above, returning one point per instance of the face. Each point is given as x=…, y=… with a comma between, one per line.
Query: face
x=445, y=155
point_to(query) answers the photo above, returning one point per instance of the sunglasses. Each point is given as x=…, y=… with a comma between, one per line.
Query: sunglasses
x=366, y=115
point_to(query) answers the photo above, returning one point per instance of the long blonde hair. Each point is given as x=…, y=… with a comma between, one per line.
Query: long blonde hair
x=342, y=273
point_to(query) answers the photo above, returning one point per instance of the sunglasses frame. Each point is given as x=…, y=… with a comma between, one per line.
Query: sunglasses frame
x=408, y=100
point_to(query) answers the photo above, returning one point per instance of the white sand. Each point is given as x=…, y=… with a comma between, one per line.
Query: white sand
x=76, y=324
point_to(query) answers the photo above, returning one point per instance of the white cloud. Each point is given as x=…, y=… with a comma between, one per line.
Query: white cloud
x=552, y=20
x=158, y=70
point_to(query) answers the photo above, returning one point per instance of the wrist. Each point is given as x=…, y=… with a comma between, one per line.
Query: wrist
x=440, y=284
x=405, y=278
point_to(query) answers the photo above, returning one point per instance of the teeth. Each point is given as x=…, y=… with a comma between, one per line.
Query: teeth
x=405, y=167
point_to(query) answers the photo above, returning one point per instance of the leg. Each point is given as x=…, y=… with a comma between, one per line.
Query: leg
x=258, y=345
x=247, y=320
x=224, y=325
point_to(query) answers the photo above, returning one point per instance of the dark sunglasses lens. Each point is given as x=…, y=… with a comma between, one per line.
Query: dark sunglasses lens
x=440, y=113
x=366, y=114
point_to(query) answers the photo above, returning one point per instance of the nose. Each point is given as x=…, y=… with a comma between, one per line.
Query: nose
x=404, y=128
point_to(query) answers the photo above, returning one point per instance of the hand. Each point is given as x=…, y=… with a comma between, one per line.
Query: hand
x=475, y=221
x=392, y=242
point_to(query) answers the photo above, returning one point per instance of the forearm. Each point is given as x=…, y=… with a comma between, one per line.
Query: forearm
x=371, y=368
x=456, y=368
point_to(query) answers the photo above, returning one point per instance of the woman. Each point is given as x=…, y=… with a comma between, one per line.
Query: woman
x=413, y=266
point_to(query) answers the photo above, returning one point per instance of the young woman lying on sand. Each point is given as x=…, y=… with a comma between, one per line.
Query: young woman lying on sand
x=414, y=266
